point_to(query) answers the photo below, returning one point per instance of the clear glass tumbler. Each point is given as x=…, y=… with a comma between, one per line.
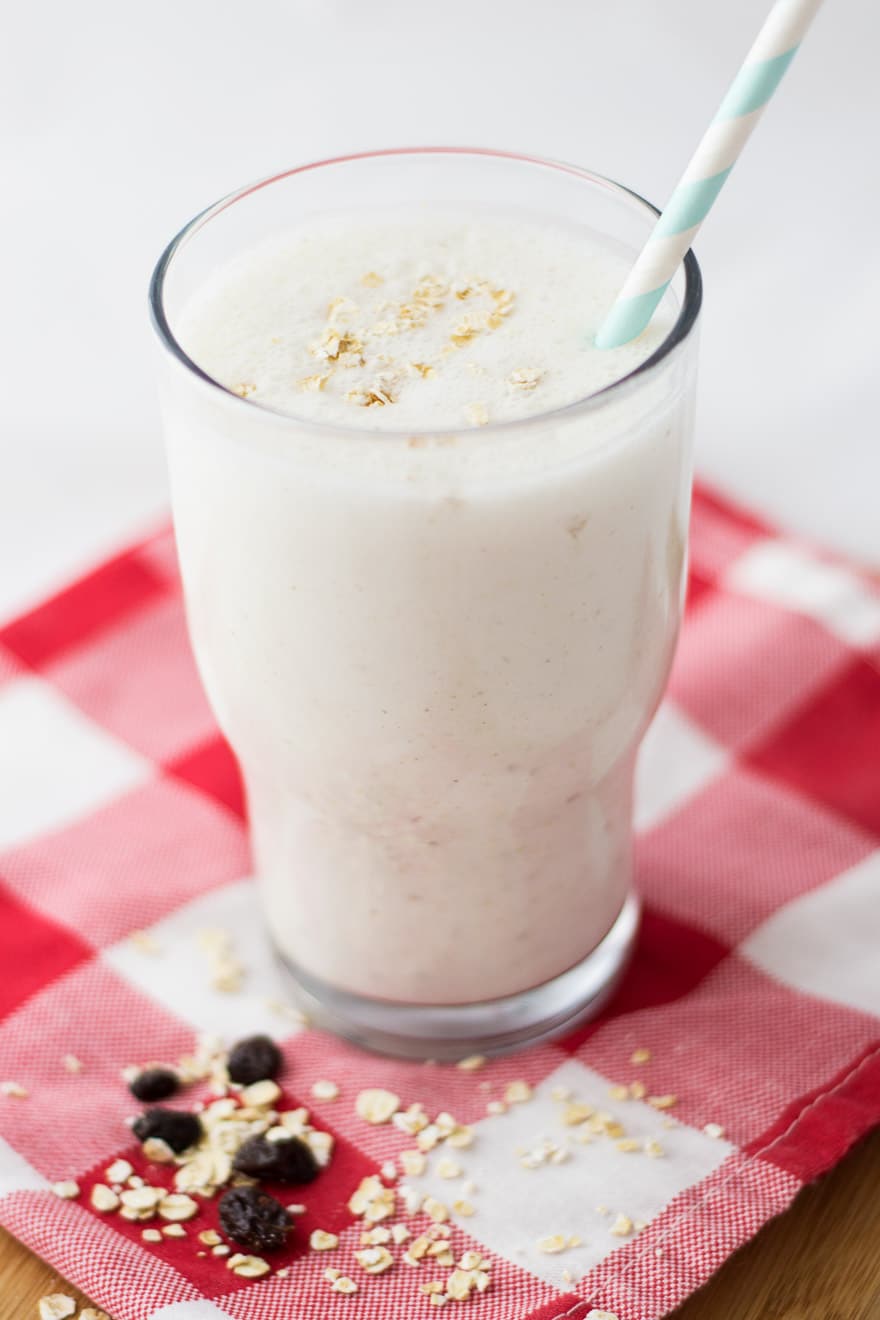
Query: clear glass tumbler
x=435, y=656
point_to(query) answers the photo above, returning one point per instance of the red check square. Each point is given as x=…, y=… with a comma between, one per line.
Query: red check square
x=743, y=666
x=739, y=850
x=131, y=863
x=138, y=680
x=34, y=951
x=830, y=749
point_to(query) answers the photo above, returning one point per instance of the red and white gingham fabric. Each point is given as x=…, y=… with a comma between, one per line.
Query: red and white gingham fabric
x=756, y=986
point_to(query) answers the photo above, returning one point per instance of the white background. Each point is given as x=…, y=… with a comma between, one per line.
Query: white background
x=119, y=121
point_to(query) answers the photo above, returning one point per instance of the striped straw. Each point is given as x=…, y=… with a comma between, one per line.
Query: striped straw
x=702, y=181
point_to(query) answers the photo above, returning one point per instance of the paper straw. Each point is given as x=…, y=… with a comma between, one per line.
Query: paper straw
x=702, y=181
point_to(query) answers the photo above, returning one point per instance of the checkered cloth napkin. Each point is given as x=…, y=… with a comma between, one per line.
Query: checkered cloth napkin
x=756, y=988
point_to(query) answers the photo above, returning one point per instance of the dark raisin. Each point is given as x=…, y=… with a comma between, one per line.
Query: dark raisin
x=289, y=1161
x=154, y=1084
x=254, y=1060
x=254, y=1218
x=175, y=1127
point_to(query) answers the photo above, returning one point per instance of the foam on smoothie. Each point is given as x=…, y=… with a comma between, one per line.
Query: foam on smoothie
x=415, y=320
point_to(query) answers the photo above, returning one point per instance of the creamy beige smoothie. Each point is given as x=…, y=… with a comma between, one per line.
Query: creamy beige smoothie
x=434, y=618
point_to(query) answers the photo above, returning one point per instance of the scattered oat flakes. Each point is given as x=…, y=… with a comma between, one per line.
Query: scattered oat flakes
x=92, y=1313
x=622, y=1226
x=15, y=1091
x=142, y=1200
x=248, y=1267
x=638, y=1090
x=56, y=1306
x=151, y=1235
x=576, y=1113
x=412, y=1120
x=374, y=1260
x=619, y=1092
x=400, y=1233
x=417, y=1249
x=515, y=1093
x=67, y=1190
x=322, y=1090
x=103, y=1199
x=319, y=1240
x=463, y=1208
x=713, y=1130
x=628, y=1145
x=371, y=280
x=376, y=1237
x=344, y=1285
x=411, y=1198
x=428, y=1138
x=331, y=1274
x=496, y=1107
x=553, y=1244
x=662, y=1101
x=435, y=1210
x=220, y=1250
x=158, y=1151
x=640, y=1055
x=654, y=1149
x=177, y=1207
x=210, y=1237
x=372, y=1200
x=447, y=1168
x=472, y=1063
x=70, y=1063
x=560, y=1093
x=477, y=414
x=261, y=1095
x=174, y=1230
x=119, y=1171
x=413, y=1162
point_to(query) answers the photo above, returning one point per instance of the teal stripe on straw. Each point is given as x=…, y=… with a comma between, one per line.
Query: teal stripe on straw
x=754, y=84
x=690, y=204
x=628, y=318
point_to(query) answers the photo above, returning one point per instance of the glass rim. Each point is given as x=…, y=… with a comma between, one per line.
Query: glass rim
x=684, y=322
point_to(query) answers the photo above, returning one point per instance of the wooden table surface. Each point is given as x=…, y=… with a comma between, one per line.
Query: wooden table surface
x=820, y=1261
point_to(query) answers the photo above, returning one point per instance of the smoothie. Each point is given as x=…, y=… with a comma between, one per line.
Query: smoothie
x=433, y=594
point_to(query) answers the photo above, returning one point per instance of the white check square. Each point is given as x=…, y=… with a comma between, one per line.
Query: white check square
x=832, y=595
x=825, y=943
x=517, y=1207
x=56, y=764
x=16, y=1175
x=179, y=973
x=676, y=761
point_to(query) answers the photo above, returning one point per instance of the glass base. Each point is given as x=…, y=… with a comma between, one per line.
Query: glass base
x=451, y=1031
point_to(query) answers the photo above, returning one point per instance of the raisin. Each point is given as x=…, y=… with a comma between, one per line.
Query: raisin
x=154, y=1084
x=254, y=1219
x=289, y=1161
x=254, y=1060
x=176, y=1128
